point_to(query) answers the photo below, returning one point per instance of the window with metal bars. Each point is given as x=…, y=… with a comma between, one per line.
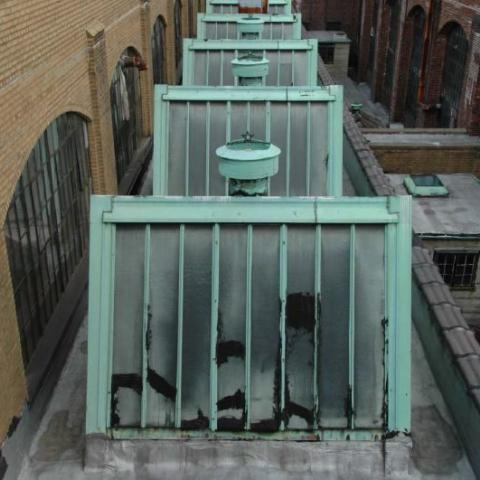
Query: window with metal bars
x=46, y=228
x=126, y=104
x=178, y=31
x=417, y=17
x=453, y=76
x=158, y=51
x=395, y=8
x=458, y=269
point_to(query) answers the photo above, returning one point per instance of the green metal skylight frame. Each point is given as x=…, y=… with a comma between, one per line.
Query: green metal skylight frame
x=170, y=134
x=302, y=55
x=109, y=213
x=224, y=26
x=425, y=186
x=276, y=7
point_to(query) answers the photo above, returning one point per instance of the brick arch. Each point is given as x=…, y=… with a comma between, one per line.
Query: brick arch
x=37, y=130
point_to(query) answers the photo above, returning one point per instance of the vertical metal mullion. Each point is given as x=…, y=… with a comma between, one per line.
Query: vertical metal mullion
x=248, y=328
x=279, y=59
x=145, y=323
x=249, y=116
x=207, y=150
x=293, y=67
x=214, y=325
x=181, y=270
x=207, y=70
x=187, y=152
x=228, y=134
x=351, y=330
x=289, y=133
x=268, y=132
x=309, y=148
x=222, y=58
x=318, y=293
x=283, y=310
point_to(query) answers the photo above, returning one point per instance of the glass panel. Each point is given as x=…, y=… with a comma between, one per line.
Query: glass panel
x=333, y=351
x=369, y=329
x=301, y=306
x=126, y=388
x=196, y=328
x=231, y=328
x=265, y=374
x=163, y=325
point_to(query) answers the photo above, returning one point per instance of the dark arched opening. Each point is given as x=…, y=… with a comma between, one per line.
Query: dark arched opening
x=46, y=232
x=126, y=103
x=416, y=24
x=453, y=75
x=178, y=31
x=158, y=51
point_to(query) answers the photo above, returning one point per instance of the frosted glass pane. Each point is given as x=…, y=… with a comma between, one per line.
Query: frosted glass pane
x=231, y=328
x=301, y=306
x=163, y=325
x=369, y=317
x=177, y=149
x=196, y=327
x=265, y=386
x=128, y=326
x=333, y=354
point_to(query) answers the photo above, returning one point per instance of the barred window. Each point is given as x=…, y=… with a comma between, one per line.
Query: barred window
x=458, y=269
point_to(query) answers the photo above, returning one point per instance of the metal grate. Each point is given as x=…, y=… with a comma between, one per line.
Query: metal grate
x=158, y=51
x=292, y=62
x=224, y=27
x=453, y=76
x=240, y=318
x=125, y=98
x=458, y=269
x=418, y=18
x=191, y=123
x=46, y=229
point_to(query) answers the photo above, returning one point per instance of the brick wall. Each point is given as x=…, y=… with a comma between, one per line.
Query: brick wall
x=358, y=21
x=59, y=57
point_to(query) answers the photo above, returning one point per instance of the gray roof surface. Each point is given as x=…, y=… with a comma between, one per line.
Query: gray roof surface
x=423, y=139
x=457, y=214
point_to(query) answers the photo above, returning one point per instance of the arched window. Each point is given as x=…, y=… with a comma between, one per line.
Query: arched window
x=178, y=31
x=46, y=228
x=453, y=75
x=158, y=51
x=395, y=9
x=125, y=97
x=417, y=18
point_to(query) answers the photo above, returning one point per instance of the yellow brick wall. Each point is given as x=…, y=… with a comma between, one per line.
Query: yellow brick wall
x=50, y=65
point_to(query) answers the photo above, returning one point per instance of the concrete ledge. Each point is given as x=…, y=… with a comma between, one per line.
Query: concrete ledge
x=246, y=460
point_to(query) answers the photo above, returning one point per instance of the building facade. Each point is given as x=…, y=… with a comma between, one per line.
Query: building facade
x=76, y=89
x=419, y=57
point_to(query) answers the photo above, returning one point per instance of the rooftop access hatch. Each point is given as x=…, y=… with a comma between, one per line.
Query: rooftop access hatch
x=191, y=123
x=275, y=7
x=225, y=26
x=291, y=62
x=249, y=318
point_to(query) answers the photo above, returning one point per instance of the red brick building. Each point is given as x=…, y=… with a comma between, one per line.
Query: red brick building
x=420, y=57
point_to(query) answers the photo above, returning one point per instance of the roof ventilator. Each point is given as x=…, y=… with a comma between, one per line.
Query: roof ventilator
x=250, y=69
x=425, y=186
x=250, y=27
x=248, y=164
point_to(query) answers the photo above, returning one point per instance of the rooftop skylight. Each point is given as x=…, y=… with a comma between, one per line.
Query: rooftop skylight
x=425, y=186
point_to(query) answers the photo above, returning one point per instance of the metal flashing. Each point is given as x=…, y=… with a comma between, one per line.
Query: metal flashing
x=127, y=391
x=192, y=122
x=224, y=27
x=292, y=62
